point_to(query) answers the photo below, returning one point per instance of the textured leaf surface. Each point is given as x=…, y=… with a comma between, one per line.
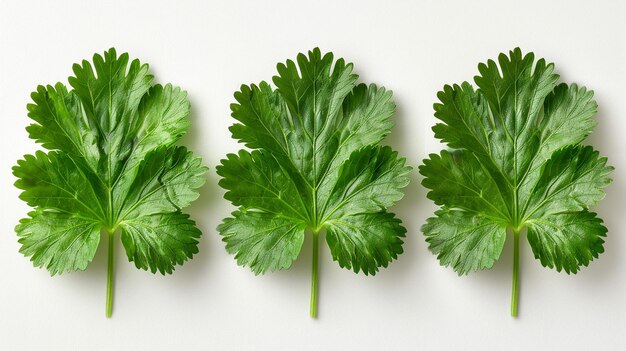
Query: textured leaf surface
x=516, y=163
x=262, y=241
x=566, y=241
x=365, y=241
x=112, y=164
x=59, y=242
x=160, y=241
x=465, y=241
x=316, y=164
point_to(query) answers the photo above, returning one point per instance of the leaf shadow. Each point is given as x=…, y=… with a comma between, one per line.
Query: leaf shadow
x=201, y=211
x=610, y=209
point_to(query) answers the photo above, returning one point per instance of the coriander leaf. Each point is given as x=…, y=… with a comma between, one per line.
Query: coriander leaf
x=567, y=240
x=571, y=180
x=113, y=167
x=517, y=162
x=315, y=165
x=464, y=241
x=55, y=181
x=262, y=240
x=365, y=241
x=160, y=241
x=58, y=241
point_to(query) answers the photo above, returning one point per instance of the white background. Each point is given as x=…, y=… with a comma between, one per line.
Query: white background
x=413, y=48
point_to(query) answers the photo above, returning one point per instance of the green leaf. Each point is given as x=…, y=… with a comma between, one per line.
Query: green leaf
x=367, y=182
x=464, y=241
x=566, y=241
x=256, y=180
x=365, y=241
x=160, y=241
x=459, y=180
x=573, y=179
x=56, y=181
x=112, y=165
x=316, y=164
x=316, y=160
x=262, y=241
x=59, y=242
x=166, y=181
x=516, y=163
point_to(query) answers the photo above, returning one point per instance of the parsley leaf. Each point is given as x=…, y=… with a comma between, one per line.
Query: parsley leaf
x=113, y=167
x=316, y=165
x=518, y=163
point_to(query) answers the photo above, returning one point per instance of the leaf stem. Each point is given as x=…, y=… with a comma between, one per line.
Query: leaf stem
x=515, y=285
x=110, y=273
x=314, y=277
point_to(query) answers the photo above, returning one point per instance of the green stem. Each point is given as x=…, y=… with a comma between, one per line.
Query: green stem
x=314, y=278
x=515, y=287
x=110, y=272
